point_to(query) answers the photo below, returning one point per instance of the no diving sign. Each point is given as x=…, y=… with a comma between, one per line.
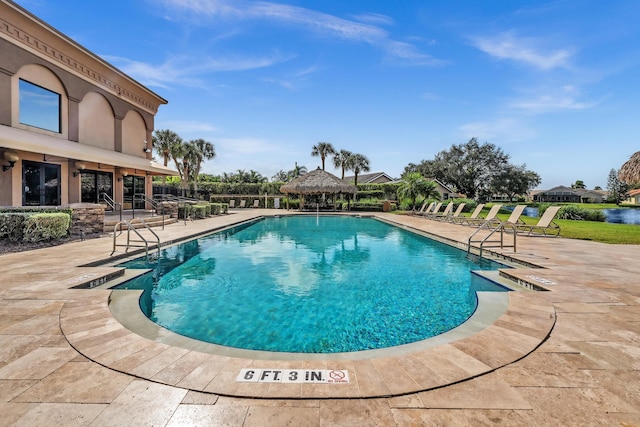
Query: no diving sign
x=314, y=376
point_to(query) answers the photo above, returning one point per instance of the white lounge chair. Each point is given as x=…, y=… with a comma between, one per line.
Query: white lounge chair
x=455, y=215
x=545, y=225
x=473, y=216
x=436, y=209
x=447, y=211
x=491, y=216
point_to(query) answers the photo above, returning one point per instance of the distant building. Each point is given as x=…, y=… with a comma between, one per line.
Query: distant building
x=562, y=194
x=370, y=178
x=73, y=128
x=633, y=197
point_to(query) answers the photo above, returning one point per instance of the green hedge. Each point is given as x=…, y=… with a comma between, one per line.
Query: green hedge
x=12, y=225
x=34, y=226
x=40, y=227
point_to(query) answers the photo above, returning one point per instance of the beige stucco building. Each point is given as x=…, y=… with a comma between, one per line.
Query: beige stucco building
x=73, y=128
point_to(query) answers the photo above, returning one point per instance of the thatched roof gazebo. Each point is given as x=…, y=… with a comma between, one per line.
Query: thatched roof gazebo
x=630, y=171
x=318, y=182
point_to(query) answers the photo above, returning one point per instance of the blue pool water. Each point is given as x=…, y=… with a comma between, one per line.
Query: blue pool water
x=310, y=284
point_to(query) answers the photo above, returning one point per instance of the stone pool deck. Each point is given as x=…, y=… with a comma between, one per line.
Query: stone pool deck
x=567, y=356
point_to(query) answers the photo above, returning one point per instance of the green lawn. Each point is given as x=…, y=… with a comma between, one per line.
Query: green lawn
x=591, y=230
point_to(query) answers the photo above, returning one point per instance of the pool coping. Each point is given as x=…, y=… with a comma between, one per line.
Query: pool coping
x=525, y=323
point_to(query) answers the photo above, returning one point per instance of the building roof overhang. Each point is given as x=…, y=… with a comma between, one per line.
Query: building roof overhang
x=18, y=139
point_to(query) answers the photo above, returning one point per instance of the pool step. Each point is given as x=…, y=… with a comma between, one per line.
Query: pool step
x=152, y=221
x=497, y=277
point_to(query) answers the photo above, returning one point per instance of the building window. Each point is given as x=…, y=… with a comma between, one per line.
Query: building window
x=39, y=107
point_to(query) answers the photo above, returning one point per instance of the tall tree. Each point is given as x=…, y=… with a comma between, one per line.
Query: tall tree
x=341, y=160
x=358, y=163
x=617, y=189
x=166, y=143
x=191, y=156
x=323, y=149
x=578, y=184
x=468, y=168
x=297, y=171
x=514, y=180
x=205, y=151
x=414, y=185
x=280, y=176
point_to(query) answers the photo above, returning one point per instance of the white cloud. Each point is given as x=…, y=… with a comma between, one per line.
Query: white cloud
x=526, y=50
x=367, y=31
x=374, y=19
x=182, y=69
x=565, y=98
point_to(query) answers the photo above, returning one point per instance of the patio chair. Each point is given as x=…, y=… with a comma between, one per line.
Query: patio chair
x=424, y=205
x=232, y=204
x=256, y=203
x=435, y=210
x=545, y=225
x=473, y=216
x=243, y=203
x=438, y=215
x=514, y=219
x=491, y=216
x=455, y=215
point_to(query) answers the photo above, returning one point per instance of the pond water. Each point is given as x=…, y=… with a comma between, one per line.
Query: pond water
x=614, y=216
x=622, y=216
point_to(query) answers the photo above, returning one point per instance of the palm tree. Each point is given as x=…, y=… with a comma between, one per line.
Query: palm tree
x=414, y=185
x=280, y=176
x=191, y=156
x=323, y=149
x=358, y=163
x=165, y=143
x=341, y=160
x=206, y=151
x=297, y=171
x=256, y=177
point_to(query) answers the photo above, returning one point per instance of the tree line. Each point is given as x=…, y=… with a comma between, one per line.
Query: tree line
x=477, y=170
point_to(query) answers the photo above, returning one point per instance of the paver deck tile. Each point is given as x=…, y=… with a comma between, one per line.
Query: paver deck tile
x=486, y=392
x=586, y=372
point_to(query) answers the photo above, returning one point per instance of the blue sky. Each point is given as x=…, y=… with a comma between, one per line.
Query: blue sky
x=555, y=84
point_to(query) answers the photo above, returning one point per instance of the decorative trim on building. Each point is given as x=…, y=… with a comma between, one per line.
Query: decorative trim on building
x=70, y=63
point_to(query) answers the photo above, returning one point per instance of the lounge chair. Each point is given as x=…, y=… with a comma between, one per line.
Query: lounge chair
x=545, y=225
x=446, y=212
x=491, y=216
x=243, y=203
x=436, y=209
x=474, y=215
x=455, y=215
x=514, y=219
x=232, y=204
x=256, y=203
x=422, y=208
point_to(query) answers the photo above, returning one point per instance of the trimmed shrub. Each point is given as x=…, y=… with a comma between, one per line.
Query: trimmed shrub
x=219, y=208
x=40, y=227
x=184, y=211
x=201, y=211
x=12, y=225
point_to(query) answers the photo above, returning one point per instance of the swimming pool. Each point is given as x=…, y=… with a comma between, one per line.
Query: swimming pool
x=310, y=284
